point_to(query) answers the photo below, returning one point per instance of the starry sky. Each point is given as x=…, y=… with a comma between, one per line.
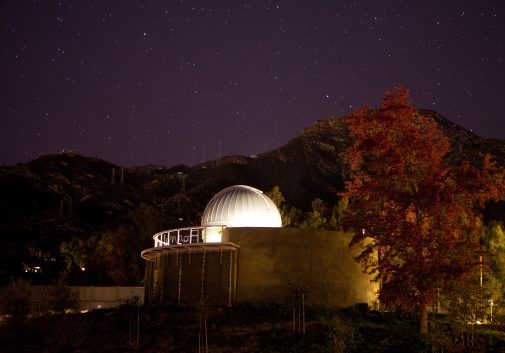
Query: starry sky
x=168, y=82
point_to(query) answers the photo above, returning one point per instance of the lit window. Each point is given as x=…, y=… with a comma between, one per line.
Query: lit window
x=213, y=234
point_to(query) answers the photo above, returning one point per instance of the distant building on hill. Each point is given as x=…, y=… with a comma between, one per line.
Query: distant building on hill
x=241, y=253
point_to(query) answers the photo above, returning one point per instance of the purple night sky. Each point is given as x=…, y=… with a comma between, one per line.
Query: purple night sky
x=167, y=82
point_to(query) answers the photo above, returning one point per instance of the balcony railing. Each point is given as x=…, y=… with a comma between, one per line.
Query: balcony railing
x=180, y=236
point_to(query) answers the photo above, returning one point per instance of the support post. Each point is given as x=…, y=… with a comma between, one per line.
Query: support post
x=230, y=279
x=203, y=277
x=179, y=282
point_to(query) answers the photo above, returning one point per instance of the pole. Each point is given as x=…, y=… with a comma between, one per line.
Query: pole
x=230, y=279
x=303, y=311
x=294, y=317
x=202, y=289
x=200, y=335
x=480, y=261
x=491, y=303
x=299, y=315
x=138, y=327
x=179, y=282
x=206, y=337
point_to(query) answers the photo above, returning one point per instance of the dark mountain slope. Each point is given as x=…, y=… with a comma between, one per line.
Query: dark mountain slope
x=465, y=145
x=60, y=196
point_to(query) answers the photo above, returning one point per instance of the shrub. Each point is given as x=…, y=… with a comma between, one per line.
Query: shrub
x=15, y=299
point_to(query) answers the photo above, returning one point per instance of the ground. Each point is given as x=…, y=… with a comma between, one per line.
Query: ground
x=243, y=328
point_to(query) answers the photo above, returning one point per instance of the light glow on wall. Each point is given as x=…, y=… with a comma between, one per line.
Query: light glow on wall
x=213, y=234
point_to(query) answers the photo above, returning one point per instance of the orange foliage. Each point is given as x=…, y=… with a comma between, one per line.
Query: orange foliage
x=419, y=214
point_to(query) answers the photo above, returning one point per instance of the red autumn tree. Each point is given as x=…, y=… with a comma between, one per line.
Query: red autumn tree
x=415, y=217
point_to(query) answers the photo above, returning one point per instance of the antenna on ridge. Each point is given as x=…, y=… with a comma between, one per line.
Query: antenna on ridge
x=203, y=153
x=181, y=194
x=193, y=151
x=218, y=162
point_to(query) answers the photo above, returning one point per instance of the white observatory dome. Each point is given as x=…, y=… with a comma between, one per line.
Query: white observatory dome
x=241, y=206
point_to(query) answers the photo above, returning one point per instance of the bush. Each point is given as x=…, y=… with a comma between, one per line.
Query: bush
x=15, y=299
x=62, y=298
x=343, y=335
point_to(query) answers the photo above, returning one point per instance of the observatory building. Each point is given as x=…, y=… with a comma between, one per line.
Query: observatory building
x=241, y=253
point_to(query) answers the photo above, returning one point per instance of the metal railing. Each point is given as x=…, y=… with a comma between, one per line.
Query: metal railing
x=179, y=236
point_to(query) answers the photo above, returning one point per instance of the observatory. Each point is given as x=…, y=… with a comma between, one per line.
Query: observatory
x=241, y=206
x=241, y=252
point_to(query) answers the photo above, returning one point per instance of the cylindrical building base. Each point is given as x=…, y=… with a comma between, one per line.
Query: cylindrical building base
x=191, y=275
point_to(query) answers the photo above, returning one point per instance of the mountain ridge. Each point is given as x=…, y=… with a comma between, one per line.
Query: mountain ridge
x=61, y=196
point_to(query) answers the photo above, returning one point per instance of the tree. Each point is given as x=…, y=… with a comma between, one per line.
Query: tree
x=290, y=215
x=494, y=272
x=337, y=214
x=415, y=217
x=120, y=255
x=78, y=251
x=315, y=219
x=276, y=195
x=120, y=247
x=495, y=241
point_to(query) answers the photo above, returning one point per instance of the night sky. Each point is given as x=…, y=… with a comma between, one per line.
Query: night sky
x=167, y=82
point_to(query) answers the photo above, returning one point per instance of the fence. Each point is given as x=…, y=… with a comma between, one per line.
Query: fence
x=91, y=298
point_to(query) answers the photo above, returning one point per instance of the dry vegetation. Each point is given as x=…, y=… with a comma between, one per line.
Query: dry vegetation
x=243, y=328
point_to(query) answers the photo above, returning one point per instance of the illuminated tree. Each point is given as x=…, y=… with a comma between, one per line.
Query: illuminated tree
x=315, y=219
x=276, y=196
x=415, y=217
x=494, y=272
x=290, y=215
x=337, y=214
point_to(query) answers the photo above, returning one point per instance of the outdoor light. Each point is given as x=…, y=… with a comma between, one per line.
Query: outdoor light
x=213, y=234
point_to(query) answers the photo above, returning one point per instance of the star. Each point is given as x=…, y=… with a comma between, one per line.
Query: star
x=108, y=70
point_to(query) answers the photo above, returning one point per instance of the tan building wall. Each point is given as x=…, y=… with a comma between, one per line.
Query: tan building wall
x=273, y=263
x=268, y=265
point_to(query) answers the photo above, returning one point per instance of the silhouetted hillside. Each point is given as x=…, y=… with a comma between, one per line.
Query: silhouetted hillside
x=62, y=196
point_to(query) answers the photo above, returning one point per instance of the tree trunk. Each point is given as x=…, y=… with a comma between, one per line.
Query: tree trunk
x=423, y=320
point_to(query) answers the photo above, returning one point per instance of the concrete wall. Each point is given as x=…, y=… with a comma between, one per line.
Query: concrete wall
x=275, y=262
x=89, y=298
x=270, y=265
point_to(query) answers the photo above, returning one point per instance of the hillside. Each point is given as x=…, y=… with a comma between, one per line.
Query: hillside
x=59, y=197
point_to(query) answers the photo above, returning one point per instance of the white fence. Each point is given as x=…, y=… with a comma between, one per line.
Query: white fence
x=92, y=298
